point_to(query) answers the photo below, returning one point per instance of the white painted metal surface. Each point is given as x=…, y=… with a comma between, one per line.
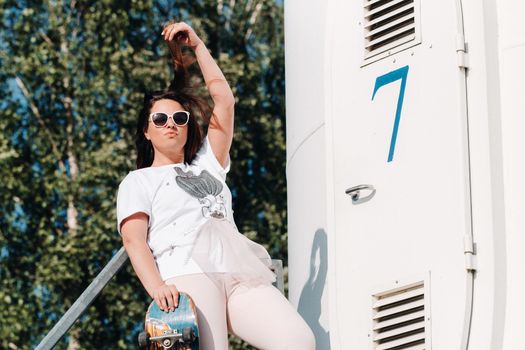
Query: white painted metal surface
x=418, y=218
x=307, y=258
x=455, y=170
x=512, y=73
x=481, y=34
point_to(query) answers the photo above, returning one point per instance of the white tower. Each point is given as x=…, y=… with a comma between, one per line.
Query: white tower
x=405, y=153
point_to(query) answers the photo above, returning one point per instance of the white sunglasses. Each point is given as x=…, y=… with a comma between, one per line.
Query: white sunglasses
x=160, y=119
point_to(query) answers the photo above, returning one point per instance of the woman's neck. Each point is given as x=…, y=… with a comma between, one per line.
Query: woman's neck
x=161, y=160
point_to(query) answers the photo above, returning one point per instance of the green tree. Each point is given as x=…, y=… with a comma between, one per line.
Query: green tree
x=72, y=76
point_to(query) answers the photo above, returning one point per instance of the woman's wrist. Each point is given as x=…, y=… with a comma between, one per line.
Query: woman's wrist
x=199, y=47
x=153, y=286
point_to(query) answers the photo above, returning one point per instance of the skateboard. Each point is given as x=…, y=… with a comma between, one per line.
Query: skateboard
x=175, y=330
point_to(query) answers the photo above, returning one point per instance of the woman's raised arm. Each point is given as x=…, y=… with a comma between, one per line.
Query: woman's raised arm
x=220, y=130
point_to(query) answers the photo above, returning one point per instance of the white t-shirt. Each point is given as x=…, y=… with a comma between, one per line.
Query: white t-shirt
x=178, y=199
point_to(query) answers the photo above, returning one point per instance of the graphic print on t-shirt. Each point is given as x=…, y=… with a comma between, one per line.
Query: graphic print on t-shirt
x=206, y=188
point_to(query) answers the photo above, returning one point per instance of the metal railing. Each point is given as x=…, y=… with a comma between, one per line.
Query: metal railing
x=95, y=287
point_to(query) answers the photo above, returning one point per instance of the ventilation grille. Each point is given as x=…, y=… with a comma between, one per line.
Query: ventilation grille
x=399, y=318
x=389, y=24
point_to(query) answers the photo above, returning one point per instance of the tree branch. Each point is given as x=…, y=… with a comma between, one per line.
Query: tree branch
x=46, y=38
x=248, y=6
x=231, y=5
x=252, y=21
x=67, y=101
x=39, y=118
x=220, y=5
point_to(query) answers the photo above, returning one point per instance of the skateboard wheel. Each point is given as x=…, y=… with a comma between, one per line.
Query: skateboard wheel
x=143, y=339
x=188, y=335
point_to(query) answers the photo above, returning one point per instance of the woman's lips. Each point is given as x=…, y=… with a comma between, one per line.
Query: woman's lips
x=171, y=133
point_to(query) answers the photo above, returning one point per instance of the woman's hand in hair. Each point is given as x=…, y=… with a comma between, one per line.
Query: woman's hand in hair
x=186, y=34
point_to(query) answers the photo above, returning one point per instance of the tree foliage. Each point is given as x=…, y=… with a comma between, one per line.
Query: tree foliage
x=72, y=76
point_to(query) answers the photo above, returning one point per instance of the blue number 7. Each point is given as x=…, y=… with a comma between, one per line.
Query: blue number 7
x=383, y=80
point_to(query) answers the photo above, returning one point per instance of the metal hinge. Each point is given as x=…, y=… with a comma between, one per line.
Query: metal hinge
x=462, y=52
x=470, y=251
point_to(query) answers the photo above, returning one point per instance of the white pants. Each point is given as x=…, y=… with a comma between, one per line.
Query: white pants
x=260, y=315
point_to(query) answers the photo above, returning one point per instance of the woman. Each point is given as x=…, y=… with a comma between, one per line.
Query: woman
x=174, y=214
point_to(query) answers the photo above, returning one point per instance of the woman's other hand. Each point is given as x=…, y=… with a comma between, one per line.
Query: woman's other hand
x=188, y=35
x=166, y=296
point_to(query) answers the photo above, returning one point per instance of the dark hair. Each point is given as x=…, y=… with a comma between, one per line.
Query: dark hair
x=179, y=91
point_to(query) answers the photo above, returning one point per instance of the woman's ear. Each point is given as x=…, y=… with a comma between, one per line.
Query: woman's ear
x=146, y=135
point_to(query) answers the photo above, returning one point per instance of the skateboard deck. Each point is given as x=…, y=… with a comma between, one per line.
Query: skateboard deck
x=171, y=330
